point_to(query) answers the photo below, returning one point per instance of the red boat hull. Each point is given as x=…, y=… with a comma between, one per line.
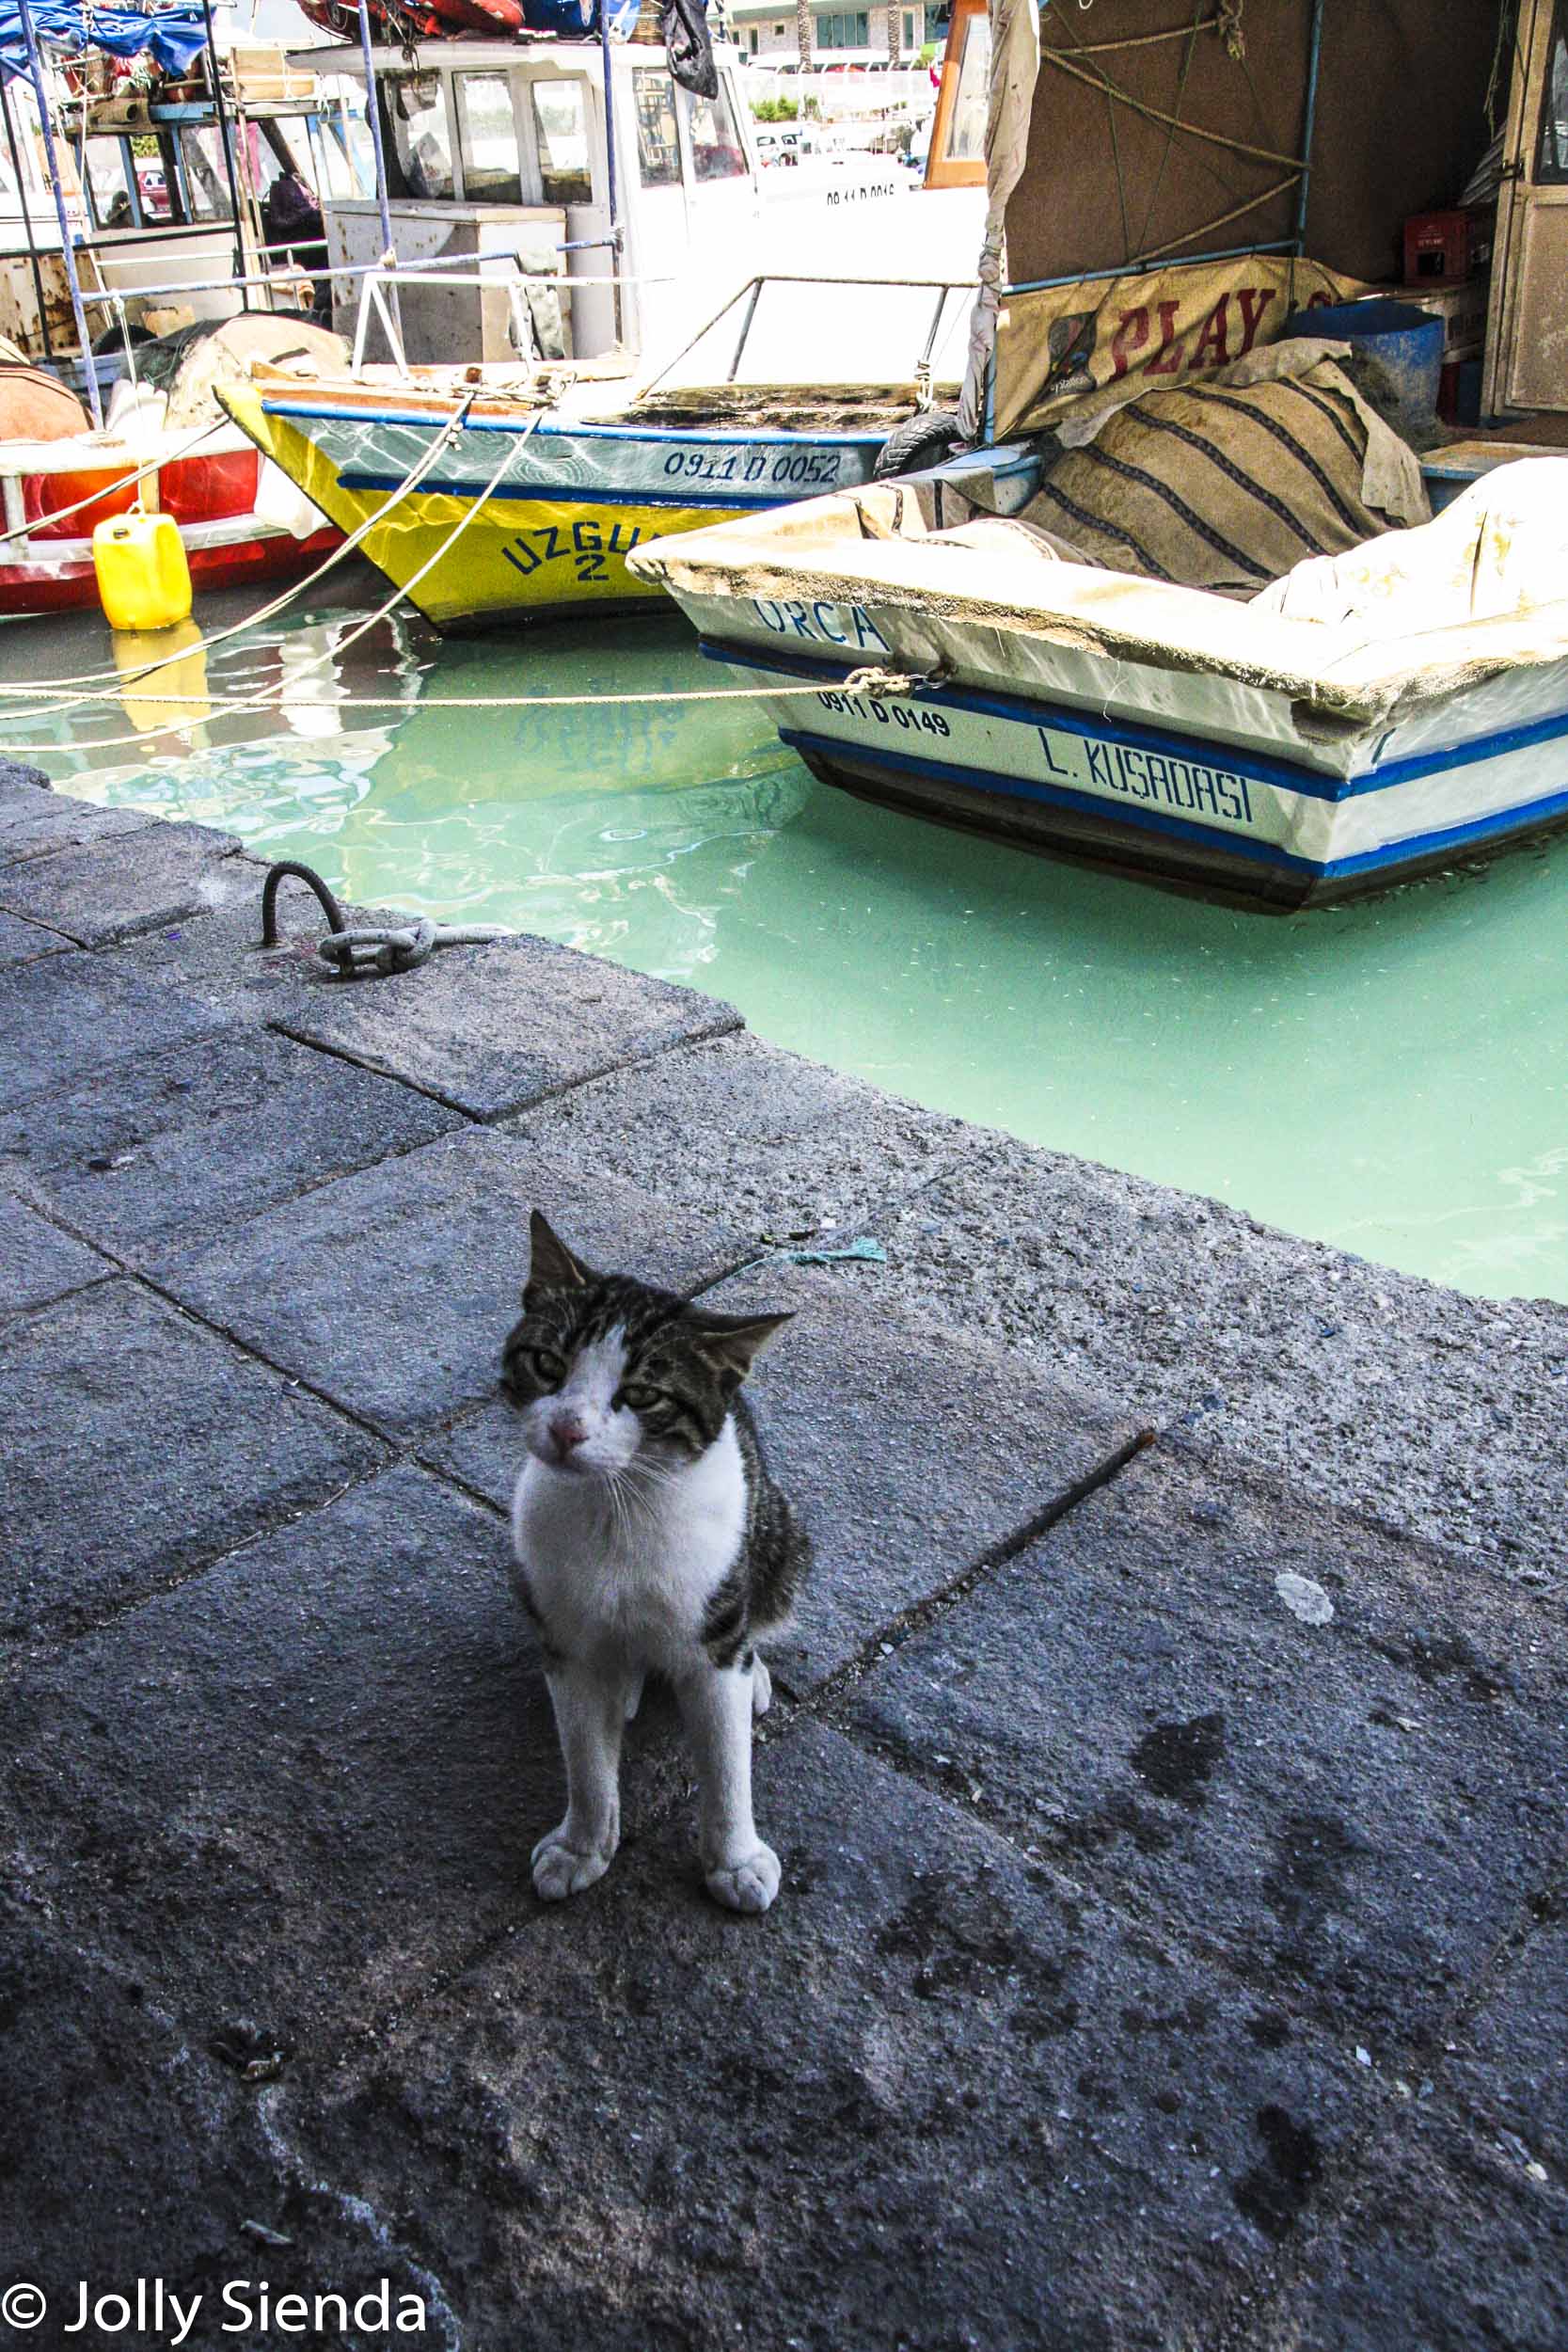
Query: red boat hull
x=26, y=588
x=213, y=494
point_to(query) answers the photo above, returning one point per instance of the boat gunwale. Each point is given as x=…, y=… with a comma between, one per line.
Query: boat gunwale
x=1356, y=684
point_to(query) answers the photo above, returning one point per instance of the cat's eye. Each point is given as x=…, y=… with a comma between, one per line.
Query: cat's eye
x=543, y=1365
x=638, y=1398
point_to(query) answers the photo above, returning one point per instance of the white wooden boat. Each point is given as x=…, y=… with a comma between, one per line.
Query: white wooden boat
x=1254, y=666
x=1251, y=752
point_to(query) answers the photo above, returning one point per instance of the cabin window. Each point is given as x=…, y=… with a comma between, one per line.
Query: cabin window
x=416, y=115
x=658, y=155
x=1551, y=162
x=716, y=150
x=487, y=139
x=107, y=185
x=561, y=127
x=204, y=175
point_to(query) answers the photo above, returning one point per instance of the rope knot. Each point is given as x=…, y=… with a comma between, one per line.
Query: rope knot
x=878, y=682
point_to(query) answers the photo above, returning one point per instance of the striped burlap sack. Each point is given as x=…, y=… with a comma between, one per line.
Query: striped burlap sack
x=1224, y=485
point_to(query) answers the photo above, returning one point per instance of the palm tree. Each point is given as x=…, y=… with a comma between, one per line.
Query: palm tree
x=895, y=32
x=802, y=32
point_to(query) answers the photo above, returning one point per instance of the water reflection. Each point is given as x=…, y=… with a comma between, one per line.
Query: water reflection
x=1391, y=1076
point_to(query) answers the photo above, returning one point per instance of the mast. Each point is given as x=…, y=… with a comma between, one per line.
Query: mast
x=34, y=67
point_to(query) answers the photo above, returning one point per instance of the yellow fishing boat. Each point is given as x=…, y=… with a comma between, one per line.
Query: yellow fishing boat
x=519, y=510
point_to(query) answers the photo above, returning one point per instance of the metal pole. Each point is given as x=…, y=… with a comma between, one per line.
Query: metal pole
x=26, y=219
x=372, y=116
x=1314, y=53
x=35, y=69
x=609, y=123
x=610, y=189
x=216, y=73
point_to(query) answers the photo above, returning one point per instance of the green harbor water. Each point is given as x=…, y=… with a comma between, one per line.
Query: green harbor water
x=1388, y=1076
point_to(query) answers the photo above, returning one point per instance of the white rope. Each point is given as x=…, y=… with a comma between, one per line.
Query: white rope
x=877, y=683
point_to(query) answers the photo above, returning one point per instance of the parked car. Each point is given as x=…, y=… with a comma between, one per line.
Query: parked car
x=152, y=187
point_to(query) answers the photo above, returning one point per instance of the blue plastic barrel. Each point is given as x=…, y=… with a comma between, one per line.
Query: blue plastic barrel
x=1405, y=341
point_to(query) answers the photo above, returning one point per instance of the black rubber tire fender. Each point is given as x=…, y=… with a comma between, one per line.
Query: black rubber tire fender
x=920, y=441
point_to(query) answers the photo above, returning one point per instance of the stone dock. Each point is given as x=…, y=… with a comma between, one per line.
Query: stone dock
x=1173, y=1948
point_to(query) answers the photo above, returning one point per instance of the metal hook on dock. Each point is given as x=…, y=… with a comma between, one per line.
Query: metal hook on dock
x=276, y=876
x=402, y=947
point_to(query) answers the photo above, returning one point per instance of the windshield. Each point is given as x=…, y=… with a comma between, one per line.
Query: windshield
x=416, y=115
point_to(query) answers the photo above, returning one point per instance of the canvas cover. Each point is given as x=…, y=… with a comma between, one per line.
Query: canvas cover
x=1015, y=62
x=1499, y=552
x=1399, y=125
x=1058, y=346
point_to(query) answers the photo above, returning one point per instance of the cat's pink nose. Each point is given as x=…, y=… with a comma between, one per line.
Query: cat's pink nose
x=567, y=1432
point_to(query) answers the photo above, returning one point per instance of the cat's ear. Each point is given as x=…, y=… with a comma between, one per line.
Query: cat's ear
x=732, y=1343
x=551, y=1266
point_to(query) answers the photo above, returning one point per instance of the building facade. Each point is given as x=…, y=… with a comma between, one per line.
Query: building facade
x=840, y=36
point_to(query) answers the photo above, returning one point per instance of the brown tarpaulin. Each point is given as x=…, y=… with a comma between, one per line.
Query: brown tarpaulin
x=1400, y=124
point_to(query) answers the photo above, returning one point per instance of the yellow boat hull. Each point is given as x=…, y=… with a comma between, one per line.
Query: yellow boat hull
x=512, y=556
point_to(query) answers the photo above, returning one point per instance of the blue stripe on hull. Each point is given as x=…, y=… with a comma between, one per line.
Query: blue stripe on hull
x=722, y=436
x=574, y=493
x=1447, y=841
x=1310, y=781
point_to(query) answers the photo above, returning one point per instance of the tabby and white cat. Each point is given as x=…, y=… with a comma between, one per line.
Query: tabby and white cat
x=648, y=1538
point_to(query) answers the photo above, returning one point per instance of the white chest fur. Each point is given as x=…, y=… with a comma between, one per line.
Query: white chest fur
x=622, y=1570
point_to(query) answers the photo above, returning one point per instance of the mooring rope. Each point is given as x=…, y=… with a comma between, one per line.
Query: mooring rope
x=402, y=947
x=876, y=683
x=267, y=612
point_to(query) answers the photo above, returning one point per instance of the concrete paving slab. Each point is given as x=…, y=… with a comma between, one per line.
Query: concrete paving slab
x=744, y=1130
x=492, y=1028
x=37, y=1261
x=19, y=781
x=217, y=956
x=23, y=942
x=1351, y=1380
x=1442, y=2246
x=204, y=1134
x=129, y=2155
x=908, y=1451
x=307, y=1784
x=393, y=1289
x=1350, y=1813
x=138, y=1446
x=35, y=822
x=928, y=2102
x=100, y=892
x=67, y=1015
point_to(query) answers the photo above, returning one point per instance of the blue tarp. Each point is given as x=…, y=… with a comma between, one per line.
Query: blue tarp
x=175, y=36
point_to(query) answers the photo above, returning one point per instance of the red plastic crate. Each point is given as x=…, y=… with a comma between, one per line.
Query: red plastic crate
x=1437, y=249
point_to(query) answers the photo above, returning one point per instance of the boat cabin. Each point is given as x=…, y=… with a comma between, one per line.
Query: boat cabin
x=169, y=197
x=496, y=147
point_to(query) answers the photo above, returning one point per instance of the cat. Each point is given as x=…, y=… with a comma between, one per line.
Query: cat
x=648, y=1538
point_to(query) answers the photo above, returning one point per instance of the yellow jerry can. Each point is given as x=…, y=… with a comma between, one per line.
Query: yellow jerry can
x=144, y=581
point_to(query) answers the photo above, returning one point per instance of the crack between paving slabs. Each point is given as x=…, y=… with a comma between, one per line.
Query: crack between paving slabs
x=280, y=1023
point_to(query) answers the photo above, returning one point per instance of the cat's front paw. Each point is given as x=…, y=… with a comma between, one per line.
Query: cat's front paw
x=748, y=1885
x=560, y=1870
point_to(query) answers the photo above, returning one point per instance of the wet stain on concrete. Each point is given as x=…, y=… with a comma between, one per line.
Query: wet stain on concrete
x=1314, y=1853
x=1176, y=1760
x=1273, y=2195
